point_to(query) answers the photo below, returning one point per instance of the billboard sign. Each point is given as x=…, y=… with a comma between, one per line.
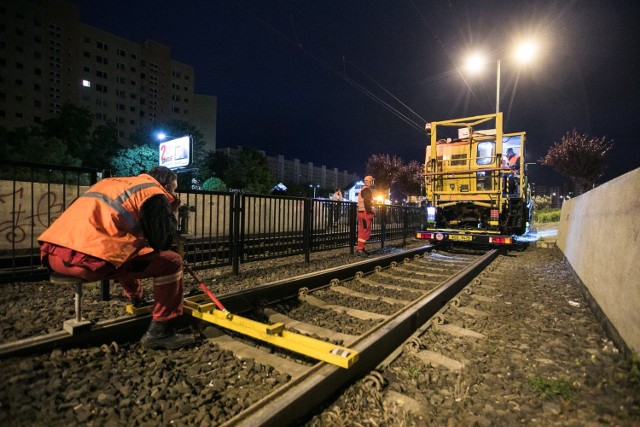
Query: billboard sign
x=176, y=153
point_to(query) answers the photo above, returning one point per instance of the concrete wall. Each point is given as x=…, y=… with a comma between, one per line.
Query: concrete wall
x=599, y=234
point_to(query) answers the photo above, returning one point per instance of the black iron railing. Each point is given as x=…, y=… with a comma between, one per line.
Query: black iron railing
x=217, y=228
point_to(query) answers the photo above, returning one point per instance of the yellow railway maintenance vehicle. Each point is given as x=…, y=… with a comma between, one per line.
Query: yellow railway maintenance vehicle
x=473, y=194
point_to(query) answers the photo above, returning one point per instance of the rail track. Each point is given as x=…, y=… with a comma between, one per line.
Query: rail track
x=371, y=307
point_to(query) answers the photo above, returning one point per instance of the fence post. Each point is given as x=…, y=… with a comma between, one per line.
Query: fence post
x=405, y=225
x=353, y=230
x=104, y=288
x=307, y=226
x=236, y=218
x=383, y=227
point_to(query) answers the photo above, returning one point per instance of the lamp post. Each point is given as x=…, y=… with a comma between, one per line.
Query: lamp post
x=524, y=53
x=314, y=186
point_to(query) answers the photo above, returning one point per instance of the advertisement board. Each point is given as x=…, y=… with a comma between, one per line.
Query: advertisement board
x=176, y=153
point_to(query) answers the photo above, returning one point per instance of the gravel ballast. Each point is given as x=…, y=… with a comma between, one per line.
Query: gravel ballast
x=543, y=359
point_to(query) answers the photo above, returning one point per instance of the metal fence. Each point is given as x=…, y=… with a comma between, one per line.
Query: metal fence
x=217, y=229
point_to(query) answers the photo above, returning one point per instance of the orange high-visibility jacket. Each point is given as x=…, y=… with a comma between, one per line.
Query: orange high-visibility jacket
x=514, y=161
x=361, y=206
x=105, y=221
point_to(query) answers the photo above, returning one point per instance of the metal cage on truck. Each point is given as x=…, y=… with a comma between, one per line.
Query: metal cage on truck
x=473, y=195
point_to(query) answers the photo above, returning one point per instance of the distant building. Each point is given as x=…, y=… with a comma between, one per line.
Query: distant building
x=49, y=58
x=296, y=172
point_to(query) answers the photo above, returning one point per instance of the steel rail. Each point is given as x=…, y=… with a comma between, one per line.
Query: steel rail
x=293, y=401
x=132, y=328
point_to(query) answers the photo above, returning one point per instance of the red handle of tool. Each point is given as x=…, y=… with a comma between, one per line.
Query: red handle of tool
x=206, y=290
x=215, y=300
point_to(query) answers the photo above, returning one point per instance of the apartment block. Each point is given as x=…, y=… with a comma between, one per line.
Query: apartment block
x=296, y=172
x=48, y=58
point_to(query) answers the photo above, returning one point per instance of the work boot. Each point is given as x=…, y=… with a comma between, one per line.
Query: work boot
x=162, y=335
x=362, y=253
x=138, y=302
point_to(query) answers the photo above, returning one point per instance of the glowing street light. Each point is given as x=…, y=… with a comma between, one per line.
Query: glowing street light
x=524, y=53
x=161, y=136
x=314, y=186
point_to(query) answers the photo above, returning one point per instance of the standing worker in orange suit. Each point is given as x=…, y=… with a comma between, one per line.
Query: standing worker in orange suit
x=122, y=228
x=365, y=215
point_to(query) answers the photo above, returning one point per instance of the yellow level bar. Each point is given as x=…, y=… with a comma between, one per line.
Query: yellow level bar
x=276, y=335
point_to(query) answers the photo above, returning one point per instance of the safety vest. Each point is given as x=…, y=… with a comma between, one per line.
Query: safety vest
x=105, y=221
x=361, y=199
x=514, y=161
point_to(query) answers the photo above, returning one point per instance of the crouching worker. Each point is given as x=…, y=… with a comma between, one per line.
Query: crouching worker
x=122, y=229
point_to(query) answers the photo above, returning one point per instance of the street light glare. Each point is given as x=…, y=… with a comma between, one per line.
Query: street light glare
x=475, y=63
x=526, y=51
x=161, y=136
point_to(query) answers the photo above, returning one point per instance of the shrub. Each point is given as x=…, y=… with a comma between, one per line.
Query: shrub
x=551, y=215
x=214, y=184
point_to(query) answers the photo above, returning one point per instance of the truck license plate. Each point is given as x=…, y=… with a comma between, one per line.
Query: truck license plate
x=461, y=238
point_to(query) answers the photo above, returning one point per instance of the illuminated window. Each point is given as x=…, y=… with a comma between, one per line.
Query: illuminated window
x=485, y=152
x=86, y=83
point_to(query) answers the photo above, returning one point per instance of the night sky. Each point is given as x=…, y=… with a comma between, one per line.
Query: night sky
x=333, y=82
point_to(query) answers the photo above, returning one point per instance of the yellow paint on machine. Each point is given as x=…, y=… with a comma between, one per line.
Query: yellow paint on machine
x=276, y=335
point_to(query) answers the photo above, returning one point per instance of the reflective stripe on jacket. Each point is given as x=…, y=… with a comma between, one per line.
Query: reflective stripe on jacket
x=105, y=221
x=361, y=205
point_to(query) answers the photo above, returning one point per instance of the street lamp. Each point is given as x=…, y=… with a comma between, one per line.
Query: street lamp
x=314, y=186
x=524, y=53
x=161, y=136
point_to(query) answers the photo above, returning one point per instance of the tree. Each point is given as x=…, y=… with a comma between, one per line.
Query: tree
x=103, y=146
x=134, y=160
x=384, y=168
x=72, y=127
x=579, y=157
x=29, y=145
x=541, y=202
x=214, y=163
x=409, y=181
x=248, y=171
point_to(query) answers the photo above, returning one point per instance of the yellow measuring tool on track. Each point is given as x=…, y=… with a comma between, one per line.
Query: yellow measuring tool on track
x=273, y=334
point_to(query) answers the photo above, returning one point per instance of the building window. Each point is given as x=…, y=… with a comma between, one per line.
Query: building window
x=86, y=83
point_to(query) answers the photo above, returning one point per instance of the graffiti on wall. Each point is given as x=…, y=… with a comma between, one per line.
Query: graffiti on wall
x=27, y=210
